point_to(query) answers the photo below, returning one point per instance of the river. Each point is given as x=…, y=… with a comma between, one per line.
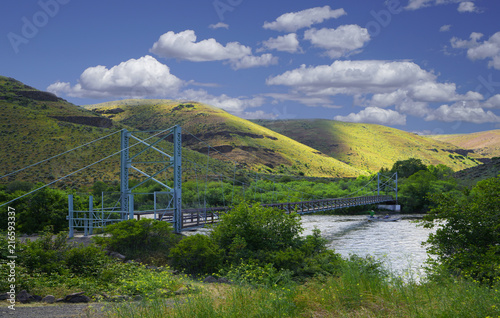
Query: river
x=397, y=244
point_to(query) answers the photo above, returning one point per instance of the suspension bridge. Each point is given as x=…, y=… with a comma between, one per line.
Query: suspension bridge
x=168, y=163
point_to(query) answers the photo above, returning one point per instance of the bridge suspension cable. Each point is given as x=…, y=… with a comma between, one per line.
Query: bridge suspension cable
x=81, y=169
x=62, y=153
x=255, y=187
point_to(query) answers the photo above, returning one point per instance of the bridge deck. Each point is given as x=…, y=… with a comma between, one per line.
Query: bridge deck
x=194, y=218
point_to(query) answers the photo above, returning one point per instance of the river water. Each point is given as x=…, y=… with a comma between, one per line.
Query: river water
x=397, y=244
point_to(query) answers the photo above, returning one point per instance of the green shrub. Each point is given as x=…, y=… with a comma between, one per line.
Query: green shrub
x=136, y=279
x=86, y=260
x=146, y=240
x=196, y=254
x=46, y=207
x=255, y=274
x=46, y=254
x=251, y=230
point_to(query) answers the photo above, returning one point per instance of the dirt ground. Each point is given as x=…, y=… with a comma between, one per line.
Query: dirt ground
x=54, y=311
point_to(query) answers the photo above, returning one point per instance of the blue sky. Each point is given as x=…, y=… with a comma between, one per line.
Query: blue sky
x=427, y=66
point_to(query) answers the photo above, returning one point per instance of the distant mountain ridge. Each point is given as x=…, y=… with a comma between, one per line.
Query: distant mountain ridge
x=485, y=143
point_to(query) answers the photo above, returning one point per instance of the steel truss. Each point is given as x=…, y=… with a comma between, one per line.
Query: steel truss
x=90, y=219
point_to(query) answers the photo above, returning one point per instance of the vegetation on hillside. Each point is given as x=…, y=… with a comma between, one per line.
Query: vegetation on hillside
x=232, y=138
x=368, y=146
x=36, y=125
x=467, y=239
x=485, y=143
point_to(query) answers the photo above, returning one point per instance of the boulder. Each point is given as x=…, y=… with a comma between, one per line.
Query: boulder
x=117, y=255
x=23, y=297
x=118, y=298
x=36, y=298
x=49, y=299
x=76, y=298
x=4, y=296
x=210, y=280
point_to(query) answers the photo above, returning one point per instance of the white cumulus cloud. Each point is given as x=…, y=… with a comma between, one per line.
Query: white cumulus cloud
x=293, y=21
x=493, y=102
x=234, y=105
x=476, y=50
x=419, y=4
x=353, y=77
x=377, y=85
x=445, y=28
x=183, y=45
x=340, y=41
x=467, y=6
x=286, y=43
x=463, y=111
x=219, y=25
x=370, y=77
x=254, y=61
x=135, y=78
x=375, y=115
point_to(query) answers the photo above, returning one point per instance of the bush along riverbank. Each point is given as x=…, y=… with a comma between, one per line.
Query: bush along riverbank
x=259, y=264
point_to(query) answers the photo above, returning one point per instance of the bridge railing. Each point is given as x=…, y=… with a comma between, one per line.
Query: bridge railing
x=193, y=218
x=305, y=207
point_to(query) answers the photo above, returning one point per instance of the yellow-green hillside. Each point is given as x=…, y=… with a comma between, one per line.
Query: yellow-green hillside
x=486, y=143
x=368, y=146
x=240, y=140
x=36, y=125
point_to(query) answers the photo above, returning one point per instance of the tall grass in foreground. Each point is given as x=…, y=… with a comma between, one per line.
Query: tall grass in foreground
x=360, y=291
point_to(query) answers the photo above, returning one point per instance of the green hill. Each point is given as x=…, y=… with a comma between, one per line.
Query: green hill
x=485, y=143
x=245, y=142
x=469, y=177
x=368, y=146
x=36, y=125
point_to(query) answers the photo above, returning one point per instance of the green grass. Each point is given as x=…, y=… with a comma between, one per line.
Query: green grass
x=355, y=293
x=368, y=146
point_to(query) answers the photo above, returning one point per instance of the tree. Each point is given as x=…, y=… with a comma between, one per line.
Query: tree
x=414, y=191
x=467, y=243
x=46, y=207
x=147, y=240
x=252, y=230
x=406, y=168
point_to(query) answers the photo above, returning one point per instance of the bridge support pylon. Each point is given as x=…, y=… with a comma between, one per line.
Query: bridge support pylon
x=89, y=219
